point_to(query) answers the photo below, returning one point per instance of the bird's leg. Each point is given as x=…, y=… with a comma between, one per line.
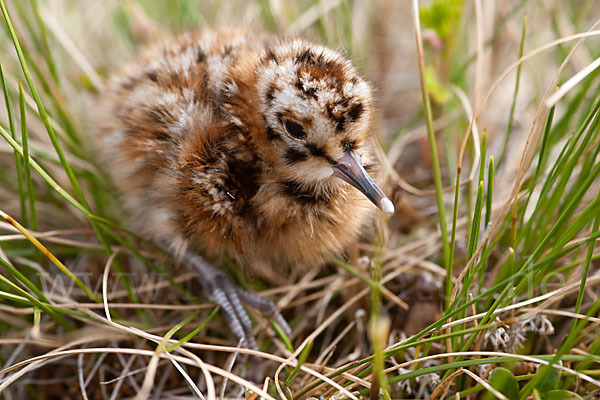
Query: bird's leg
x=220, y=288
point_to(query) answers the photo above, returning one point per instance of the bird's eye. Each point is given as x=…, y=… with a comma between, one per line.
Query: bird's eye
x=294, y=129
x=348, y=145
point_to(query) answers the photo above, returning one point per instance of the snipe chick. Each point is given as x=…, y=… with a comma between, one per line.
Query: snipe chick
x=259, y=148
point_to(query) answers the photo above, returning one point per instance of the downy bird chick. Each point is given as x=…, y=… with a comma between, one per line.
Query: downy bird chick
x=229, y=143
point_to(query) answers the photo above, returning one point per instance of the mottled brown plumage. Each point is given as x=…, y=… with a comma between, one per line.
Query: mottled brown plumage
x=224, y=142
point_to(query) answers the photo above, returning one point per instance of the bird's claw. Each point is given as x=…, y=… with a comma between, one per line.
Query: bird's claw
x=266, y=307
x=224, y=294
x=220, y=288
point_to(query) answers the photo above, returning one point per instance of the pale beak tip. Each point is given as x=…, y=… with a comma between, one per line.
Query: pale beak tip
x=386, y=206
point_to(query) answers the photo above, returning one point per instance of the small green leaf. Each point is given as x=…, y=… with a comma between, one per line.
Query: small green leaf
x=272, y=390
x=551, y=380
x=435, y=88
x=301, y=359
x=560, y=395
x=503, y=381
x=442, y=16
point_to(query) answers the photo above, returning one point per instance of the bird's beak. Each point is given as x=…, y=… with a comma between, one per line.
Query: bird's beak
x=349, y=168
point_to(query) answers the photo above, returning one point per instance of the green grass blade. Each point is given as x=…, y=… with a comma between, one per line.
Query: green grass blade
x=193, y=333
x=511, y=115
x=45, y=176
x=33, y=301
x=19, y=275
x=50, y=256
x=41, y=109
x=301, y=360
x=25, y=142
x=18, y=158
x=575, y=327
x=474, y=235
x=437, y=174
x=448, y=282
x=48, y=55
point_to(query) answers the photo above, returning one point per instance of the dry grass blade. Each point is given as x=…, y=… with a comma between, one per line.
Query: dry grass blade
x=80, y=377
x=571, y=83
x=443, y=387
x=146, y=388
x=268, y=356
x=105, y=284
x=72, y=49
x=50, y=256
x=485, y=385
x=32, y=363
x=146, y=353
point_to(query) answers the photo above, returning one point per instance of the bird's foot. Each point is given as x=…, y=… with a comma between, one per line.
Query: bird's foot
x=220, y=288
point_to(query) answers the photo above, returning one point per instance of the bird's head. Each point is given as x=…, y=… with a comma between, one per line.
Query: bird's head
x=317, y=113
